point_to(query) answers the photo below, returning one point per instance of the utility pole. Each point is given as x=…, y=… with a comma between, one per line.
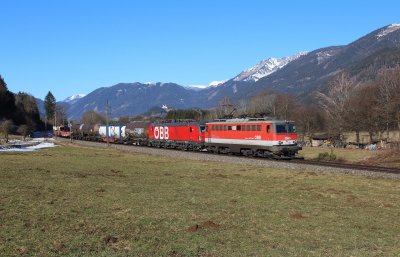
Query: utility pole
x=70, y=130
x=108, y=140
x=55, y=122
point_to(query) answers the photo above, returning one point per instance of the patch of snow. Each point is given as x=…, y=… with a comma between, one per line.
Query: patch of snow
x=196, y=88
x=388, y=29
x=216, y=83
x=234, y=88
x=29, y=148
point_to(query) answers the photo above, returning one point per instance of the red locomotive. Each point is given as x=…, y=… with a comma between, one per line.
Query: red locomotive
x=181, y=134
x=265, y=137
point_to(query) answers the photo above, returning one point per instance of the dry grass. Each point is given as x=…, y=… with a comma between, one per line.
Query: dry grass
x=385, y=158
x=350, y=155
x=89, y=202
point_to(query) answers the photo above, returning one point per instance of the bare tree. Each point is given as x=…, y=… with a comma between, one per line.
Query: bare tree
x=6, y=126
x=309, y=120
x=23, y=130
x=244, y=106
x=225, y=105
x=285, y=106
x=93, y=117
x=61, y=111
x=334, y=104
x=264, y=102
x=125, y=119
x=387, y=84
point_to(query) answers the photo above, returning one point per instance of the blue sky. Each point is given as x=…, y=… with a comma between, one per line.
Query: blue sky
x=74, y=47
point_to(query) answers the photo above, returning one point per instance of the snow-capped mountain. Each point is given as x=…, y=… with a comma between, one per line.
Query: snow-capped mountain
x=266, y=67
x=73, y=99
x=196, y=88
x=201, y=87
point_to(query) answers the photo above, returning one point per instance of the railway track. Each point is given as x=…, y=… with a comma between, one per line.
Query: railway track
x=348, y=166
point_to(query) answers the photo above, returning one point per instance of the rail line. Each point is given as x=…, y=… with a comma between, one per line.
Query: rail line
x=348, y=166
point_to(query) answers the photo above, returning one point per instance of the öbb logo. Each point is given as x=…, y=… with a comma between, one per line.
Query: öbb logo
x=161, y=132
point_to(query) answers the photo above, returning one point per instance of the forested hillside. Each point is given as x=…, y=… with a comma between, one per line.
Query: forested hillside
x=20, y=109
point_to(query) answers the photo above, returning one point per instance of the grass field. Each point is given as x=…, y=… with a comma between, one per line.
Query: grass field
x=91, y=202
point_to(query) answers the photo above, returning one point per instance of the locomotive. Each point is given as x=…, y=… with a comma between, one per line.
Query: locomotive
x=269, y=137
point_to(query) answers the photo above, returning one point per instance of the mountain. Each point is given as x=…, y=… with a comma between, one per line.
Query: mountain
x=133, y=99
x=318, y=66
x=299, y=74
x=73, y=99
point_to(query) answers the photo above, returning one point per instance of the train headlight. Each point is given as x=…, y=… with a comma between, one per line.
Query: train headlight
x=280, y=142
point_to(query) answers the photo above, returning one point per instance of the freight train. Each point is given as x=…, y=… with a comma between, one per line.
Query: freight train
x=269, y=136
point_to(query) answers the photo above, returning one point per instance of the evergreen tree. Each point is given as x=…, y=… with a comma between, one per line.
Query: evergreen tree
x=7, y=104
x=49, y=105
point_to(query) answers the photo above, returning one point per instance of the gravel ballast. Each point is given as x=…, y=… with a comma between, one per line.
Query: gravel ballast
x=224, y=158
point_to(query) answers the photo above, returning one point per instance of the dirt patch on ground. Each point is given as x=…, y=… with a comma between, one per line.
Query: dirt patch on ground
x=297, y=216
x=232, y=201
x=115, y=171
x=221, y=176
x=317, y=196
x=351, y=198
x=210, y=224
x=100, y=190
x=59, y=248
x=207, y=224
x=194, y=228
x=307, y=189
x=109, y=239
x=167, y=174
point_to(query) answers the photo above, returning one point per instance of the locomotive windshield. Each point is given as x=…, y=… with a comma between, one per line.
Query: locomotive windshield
x=283, y=129
x=202, y=128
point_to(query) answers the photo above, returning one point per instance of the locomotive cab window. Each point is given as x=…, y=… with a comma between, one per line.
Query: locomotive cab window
x=229, y=127
x=206, y=128
x=287, y=128
x=268, y=128
x=239, y=127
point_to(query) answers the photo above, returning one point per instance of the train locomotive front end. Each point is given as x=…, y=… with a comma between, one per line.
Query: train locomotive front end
x=269, y=137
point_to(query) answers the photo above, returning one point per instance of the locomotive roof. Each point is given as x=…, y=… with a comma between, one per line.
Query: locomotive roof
x=250, y=119
x=178, y=122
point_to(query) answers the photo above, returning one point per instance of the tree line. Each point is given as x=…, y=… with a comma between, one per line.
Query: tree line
x=17, y=110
